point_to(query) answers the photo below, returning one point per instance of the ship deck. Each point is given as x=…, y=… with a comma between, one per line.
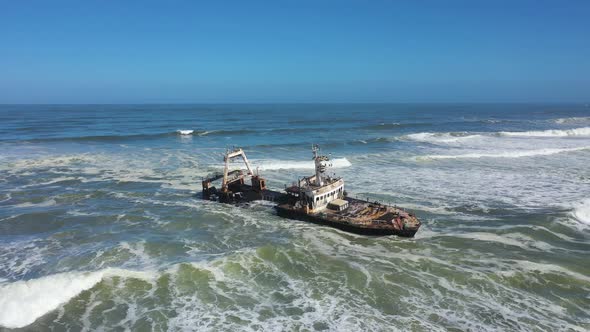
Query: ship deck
x=361, y=217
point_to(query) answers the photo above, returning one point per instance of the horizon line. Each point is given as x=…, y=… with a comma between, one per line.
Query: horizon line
x=304, y=103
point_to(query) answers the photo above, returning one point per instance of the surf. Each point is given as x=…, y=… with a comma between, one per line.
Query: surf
x=506, y=154
x=581, y=211
x=271, y=164
x=575, y=132
x=23, y=302
x=451, y=137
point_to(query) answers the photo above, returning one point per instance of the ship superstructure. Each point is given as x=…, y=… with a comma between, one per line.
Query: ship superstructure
x=318, y=191
x=319, y=198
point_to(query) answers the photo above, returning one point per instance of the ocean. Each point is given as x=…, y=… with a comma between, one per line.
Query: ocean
x=100, y=228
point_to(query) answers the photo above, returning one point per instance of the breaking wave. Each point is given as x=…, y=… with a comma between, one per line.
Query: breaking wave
x=457, y=137
x=573, y=119
x=581, y=211
x=205, y=132
x=507, y=154
x=22, y=302
x=585, y=131
x=292, y=164
x=44, y=204
x=441, y=137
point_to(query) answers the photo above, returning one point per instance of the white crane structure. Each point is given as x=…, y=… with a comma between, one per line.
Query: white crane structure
x=228, y=157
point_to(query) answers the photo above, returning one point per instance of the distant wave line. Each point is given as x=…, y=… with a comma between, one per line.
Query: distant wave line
x=572, y=119
x=584, y=131
x=454, y=137
x=507, y=154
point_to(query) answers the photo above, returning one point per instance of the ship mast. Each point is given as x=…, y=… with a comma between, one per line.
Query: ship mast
x=320, y=166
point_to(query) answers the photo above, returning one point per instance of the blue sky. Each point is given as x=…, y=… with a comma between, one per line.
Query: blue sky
x=294, y=51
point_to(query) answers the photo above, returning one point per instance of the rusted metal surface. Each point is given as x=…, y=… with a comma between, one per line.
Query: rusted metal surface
x=361, y=217
x=310, y=200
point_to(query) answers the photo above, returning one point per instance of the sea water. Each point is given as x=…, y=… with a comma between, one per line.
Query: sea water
x=100, y=228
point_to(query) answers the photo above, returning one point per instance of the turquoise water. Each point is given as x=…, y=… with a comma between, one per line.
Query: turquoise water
x=100, y=229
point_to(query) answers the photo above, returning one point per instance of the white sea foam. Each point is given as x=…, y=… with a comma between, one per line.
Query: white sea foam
x=441, y=137
x=582, y=211
x=512, y=239
x=46, y=203
x=53, y=181
x=50, y=161
x=18, y=258
x=585, y=131
x=464, y=137
x=172, y=170
x=529, y=266
x=296, y=164
x=240, y=282
x=342, y=301
x=185, y=131
x=507, y=154
x=6, y=197
x=573, y=119
x=490, y=298
x=207, y=132
x=491, y=182
x=138, y=250
x=22, y=302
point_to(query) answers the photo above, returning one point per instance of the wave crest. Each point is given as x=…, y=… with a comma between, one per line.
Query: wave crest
x=452, y=137
x=585, y=131
x=507, y=154
x=22, y=302
x=581, y=211
x=573, y=119
x=293, y=164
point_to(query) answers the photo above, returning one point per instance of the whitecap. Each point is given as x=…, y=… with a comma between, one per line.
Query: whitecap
x=138, y=250
x=185, y=131
x=23, y=302
x=506, y=154
x=46, y=203
x=264, y=165
x=573, y=119
x=581, y=211
x=207, y=132
x=585, y=131
x=6, y=198
x=441, y=137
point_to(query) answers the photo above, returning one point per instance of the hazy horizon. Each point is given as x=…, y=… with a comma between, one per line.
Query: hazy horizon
x=548, y=103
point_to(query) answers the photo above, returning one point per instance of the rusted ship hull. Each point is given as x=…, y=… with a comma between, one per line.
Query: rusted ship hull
x=373, y=230
x=320, y=199
x=250, y=195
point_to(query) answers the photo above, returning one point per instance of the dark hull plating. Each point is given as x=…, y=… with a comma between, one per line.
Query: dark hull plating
x=250, y=195
x=351, y=228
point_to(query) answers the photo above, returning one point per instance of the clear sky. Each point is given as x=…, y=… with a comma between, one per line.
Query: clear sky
x=294, y=51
